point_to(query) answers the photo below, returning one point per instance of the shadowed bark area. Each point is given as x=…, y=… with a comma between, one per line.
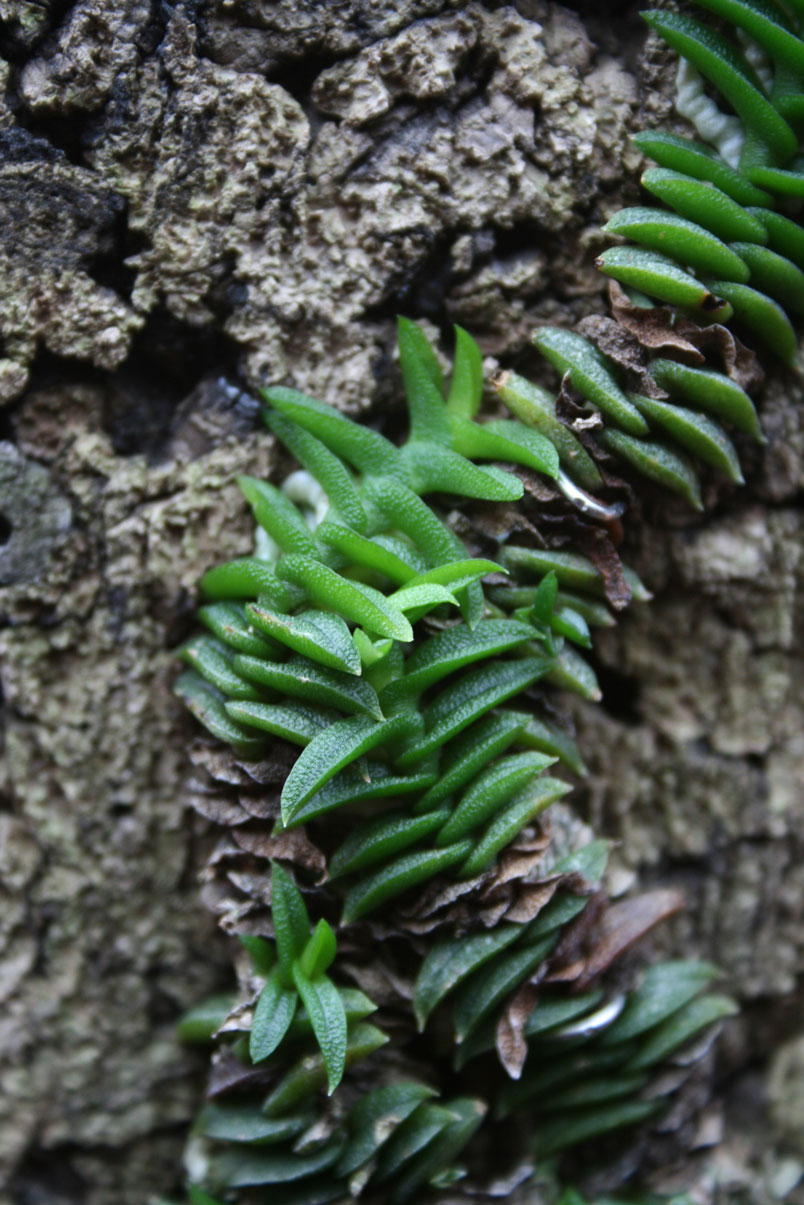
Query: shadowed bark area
x=200, y=198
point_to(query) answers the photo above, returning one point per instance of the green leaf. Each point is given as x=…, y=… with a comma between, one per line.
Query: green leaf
x=436, y=1156
x=504, y=440
x=356, y=602
x=228, y=622
x=319, y=953
x=349, y=787
x=568, y=623
x=214, y=662
x=375, y=1118
x=197, y=1196
x=247, y=577
x=309, y=1074
x=456, y=574
x=246, y=1123
x=569, y=567
x=544, y=600
x=471, y=751
x=261, y=952
x=337, y=746
x=412, y=1136
x=356, y=1006
x=466, y=388
x=720, y=62
x=709, y=391
x=452, y=960
x=305, y=679
x=659, y=277
x=379, y=839
x=775, y=275
x=439, y=469
x=416, y=600
x=656, y=462
x=524, y=808
x=272, y=1016
x=550, y=1014
x=299, y=723
x=571, y=1128
x=680, y=1028
x=537, y=408
x=571, y=672
x=590, y=374
x=424, y=385
x=325, y=1010
x=274, y=512
x=330, y=472
x=399, y=876
x=363, y=551
x=704, y=204
x=488, y=987
x=471, y=697
x=553, y=740
x=683, y=241
x=200, y=1024
x=315, y=634
x=784, y=235
x=367, y=450
x=665, y=988
x=590, y=861
x=405, y=511
x=688, y=157
x=597, y=1090
x=241, y=1169
x=762, y=316
x=698, y=434
x=291, y=922
x=457, y=647
x=489, y=791
x=207, y=705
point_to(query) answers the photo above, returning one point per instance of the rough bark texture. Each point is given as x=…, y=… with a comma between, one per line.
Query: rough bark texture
x=199, y=198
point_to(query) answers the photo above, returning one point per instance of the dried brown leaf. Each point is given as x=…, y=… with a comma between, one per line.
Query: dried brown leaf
x=512, y=1046
x=624, y=924
x=291, y=846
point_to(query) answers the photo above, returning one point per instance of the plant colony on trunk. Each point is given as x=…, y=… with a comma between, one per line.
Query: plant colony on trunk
x=369, y=642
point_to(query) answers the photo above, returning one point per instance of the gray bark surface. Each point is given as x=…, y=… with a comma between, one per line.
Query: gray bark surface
x=195, y=200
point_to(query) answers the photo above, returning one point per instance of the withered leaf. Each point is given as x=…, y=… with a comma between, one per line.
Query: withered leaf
x=292, y=846
x=512, y=1046
x=624, y=924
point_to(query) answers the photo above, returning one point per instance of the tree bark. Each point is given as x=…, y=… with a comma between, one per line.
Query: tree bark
x=201, y=198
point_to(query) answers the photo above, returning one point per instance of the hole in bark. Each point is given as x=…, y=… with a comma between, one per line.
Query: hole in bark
x=621, y=694
x=5, y=529
x=168, y=359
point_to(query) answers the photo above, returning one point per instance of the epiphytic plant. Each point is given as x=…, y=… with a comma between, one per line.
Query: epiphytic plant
x=415, y=692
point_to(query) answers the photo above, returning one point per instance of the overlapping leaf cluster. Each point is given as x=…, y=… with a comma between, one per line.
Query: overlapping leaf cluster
x=368, y=640
x=720, y=250
x=314, y=645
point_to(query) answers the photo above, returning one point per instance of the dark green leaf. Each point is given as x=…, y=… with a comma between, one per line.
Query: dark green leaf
x=381, y=838
x=291, y=922
x=398, y=876
x=451, y=961
x=319, y=635
x=325, y=1010
x=307, y=680
x=335, y=747
x=272, y=1016
x=374, y=1119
